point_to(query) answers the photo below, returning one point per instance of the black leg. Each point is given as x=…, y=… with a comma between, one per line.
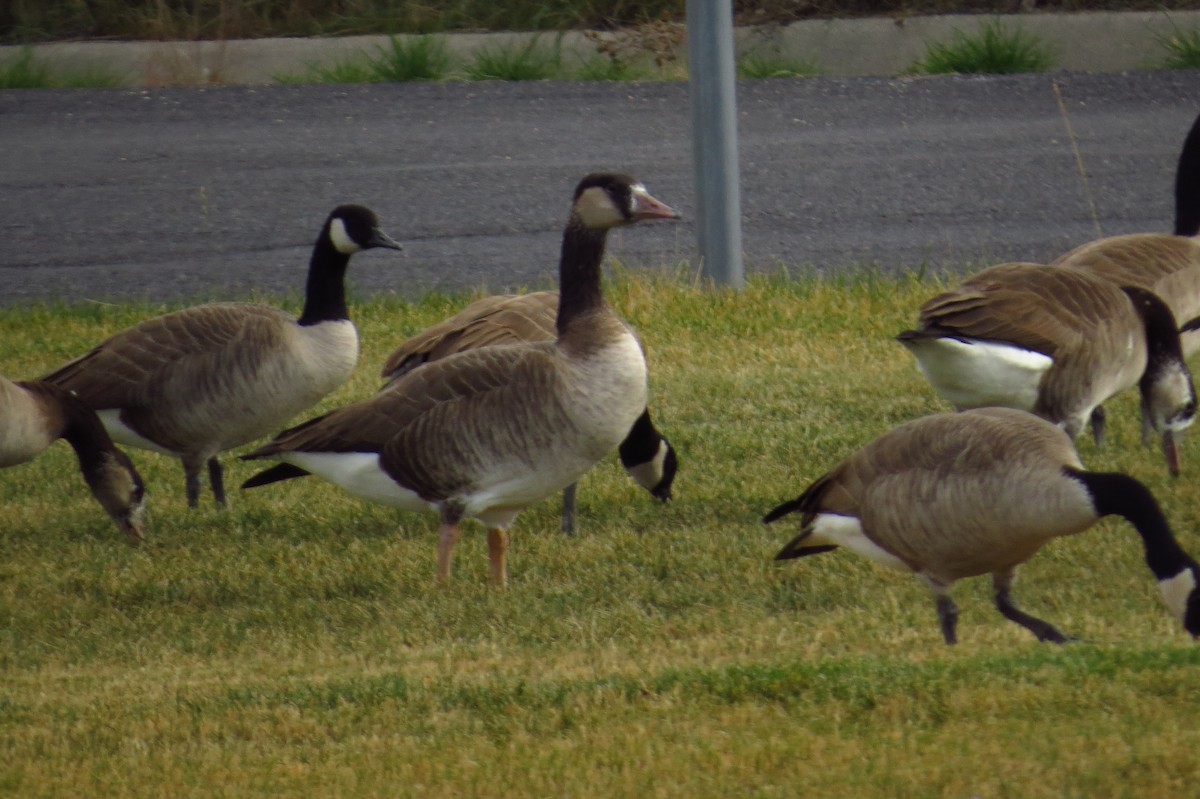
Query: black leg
x=1097, y=420
x=191, y=483
x=948, y=617
x=568, y=513
x=1045, y=631
x=216, y=479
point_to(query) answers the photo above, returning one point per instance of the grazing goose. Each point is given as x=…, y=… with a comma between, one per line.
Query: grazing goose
x=1168, y=265
x=1057, y=342
x=487, y=431
x=197, y=382
x=35, y=415
x=514, y=318
x=957, y=495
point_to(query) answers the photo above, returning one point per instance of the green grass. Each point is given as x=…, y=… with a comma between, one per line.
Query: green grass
x=995, y=49
x=24, y=71
x=295, y=645
x=761, y=65
x=1183, y=50
x=530, y=59
x=414, y=58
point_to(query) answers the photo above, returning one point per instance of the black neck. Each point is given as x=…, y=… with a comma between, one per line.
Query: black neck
x=87, y=436
x=1162, y=332
x=642, y=443
x=325, y=291
x=1115, y=494
x=579, y=273
x=1187, y=185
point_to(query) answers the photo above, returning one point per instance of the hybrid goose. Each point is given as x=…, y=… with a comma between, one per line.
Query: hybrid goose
x=197, y=382
x=35, y=415
x=956, y=495
x=515, y=318
x=1168, y=265
x=485, y=432
x=1057, y=342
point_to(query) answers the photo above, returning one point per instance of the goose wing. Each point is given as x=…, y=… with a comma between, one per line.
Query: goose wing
x=1030, y=306
x=185, y=352
x=449, y=425
x=501, y=319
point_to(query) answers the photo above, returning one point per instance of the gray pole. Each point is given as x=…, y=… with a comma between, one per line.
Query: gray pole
x=711, y=79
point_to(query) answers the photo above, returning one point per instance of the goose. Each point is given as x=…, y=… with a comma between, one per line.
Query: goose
x=513, y=318
x=34, y=415
x=1057, y=342
x=485, y=432
x=957, y=495
x=199, y=381
x=1168, y=265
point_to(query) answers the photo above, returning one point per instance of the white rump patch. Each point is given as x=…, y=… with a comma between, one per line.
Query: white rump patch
x=341, y=239
x=360, y=474
x=846, y=531
x=121, y=433
x=1176, y=590
x=976, y=374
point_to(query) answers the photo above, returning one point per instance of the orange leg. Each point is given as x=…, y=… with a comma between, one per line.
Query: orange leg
x=447, y=537
x=497, y=545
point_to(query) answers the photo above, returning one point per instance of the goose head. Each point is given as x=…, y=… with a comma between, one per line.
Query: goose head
x=1182, y=597
x=605, y=200
x=1168, y=394
x=351, y=228
x=118, y=488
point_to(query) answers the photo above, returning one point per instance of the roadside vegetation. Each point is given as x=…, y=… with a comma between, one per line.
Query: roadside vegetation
x=296, y=644
x=995, y=49
x=25, y=71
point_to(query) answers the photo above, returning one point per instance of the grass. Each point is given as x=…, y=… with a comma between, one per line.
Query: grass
x=414, y=58
x=995, y=49
x=24, y=71
x=296, y=646
x=1183, y=50
x=760, y=65
x=530, y=59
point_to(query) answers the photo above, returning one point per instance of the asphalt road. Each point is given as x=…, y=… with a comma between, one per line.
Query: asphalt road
x=191, y=194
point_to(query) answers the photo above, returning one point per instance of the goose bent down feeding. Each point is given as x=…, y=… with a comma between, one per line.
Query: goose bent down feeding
x=1168, y=265
x=1057, y=342
x=34, y=415
x=485, y=432
x=515, y=318
x=958, y=495
x=197, y=382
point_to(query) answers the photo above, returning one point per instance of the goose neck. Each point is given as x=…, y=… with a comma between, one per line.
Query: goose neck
x=325, y=290
x=579, y=276
x=1187, y=185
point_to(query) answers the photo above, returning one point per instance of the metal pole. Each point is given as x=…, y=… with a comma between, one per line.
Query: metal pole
x=711, y=78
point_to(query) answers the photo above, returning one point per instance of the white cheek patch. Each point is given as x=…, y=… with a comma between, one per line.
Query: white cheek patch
x=341, y=238
x=596, y=210
x=649, y=474
x=1176, y=590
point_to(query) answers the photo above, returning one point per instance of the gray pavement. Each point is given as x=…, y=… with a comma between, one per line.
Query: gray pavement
x=187, y=194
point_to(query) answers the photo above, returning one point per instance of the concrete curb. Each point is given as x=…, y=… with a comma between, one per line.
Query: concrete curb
x=1084, y=42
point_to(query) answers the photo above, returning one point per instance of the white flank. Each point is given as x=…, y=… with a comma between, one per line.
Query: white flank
x=1176, y=590
x=981, y=374
x=649, y=474
x=123, y=434
x=360, y=474
x=846, y=531
x=341, y=239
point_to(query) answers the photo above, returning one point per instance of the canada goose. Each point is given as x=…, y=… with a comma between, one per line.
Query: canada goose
x=514, y=318
x=1168, y=265
x=485, y=432
x=957, y=495
x=203, y=380
x=35, y=415
x=1057, y=342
